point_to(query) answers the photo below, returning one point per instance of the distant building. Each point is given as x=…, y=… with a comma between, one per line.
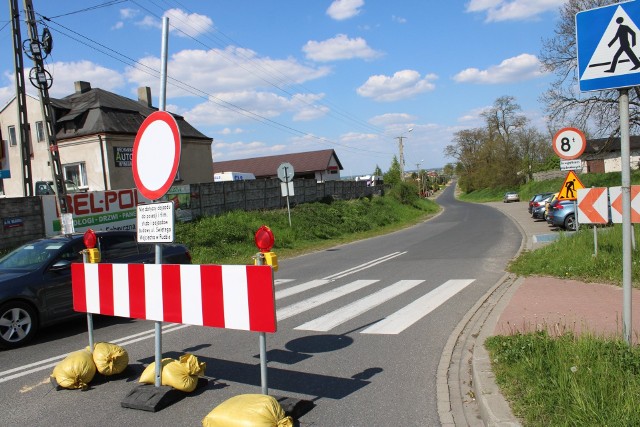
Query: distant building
x=604, y=155
x=95, y=133
x=322, y=165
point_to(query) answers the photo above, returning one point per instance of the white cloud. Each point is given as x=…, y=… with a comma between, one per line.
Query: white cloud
x=118, y=25
x=505, y=10
x=247, y=106
x=339, y=47
x=398, y=19
x=474, y=117
x=402, y=85
x=344, y=9
x=229, y=131
x=519, y=68
x=181, y=23
x=240, y=150
x=188, y=25
x=392, y=118
x=65, y=74
x=128, y=13
x=223, y=70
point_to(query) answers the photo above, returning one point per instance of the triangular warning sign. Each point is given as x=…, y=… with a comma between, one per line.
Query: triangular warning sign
x=615, y=53
x=570, y=187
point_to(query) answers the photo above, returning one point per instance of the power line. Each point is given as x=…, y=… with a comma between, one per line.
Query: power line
x=192, y=89
x=343, y=116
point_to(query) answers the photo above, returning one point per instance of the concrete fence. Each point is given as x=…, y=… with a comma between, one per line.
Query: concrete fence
x=23, y=217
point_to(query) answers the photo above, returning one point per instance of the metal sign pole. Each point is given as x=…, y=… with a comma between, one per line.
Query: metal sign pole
x=286, y=182
x=626, y=213
x=85, y=259
x=161, y=107
x=263, y=344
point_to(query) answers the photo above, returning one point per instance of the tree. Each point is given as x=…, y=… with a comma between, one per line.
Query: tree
x=593, y=112
x=377, y=171
x=503, y=153
x=392, y=176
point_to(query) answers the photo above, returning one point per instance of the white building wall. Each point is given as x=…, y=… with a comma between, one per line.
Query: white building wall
x=613, y=162
x=40, y=168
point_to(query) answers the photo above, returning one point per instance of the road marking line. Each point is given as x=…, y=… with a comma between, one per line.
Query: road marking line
x=348, y=312
x=407, y=316
x=300, y=288
x=45, y=364
x=292, y=310
x=364, y=266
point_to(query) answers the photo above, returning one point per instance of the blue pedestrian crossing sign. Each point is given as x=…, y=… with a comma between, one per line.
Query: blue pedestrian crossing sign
x=608, y=41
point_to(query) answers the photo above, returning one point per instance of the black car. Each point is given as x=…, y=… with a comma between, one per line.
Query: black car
x=35, y=279
x=536, y=199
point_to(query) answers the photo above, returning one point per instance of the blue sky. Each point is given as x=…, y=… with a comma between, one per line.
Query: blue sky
x=265, y=77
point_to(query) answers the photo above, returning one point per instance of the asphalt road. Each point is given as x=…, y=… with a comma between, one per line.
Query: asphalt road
x=361, y=328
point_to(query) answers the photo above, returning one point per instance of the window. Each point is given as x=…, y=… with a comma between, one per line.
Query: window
x=39, y=131
x=13, y=141
x=76, y=172
x=116, y=247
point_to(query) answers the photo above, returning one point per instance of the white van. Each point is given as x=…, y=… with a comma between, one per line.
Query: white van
x=232, y=176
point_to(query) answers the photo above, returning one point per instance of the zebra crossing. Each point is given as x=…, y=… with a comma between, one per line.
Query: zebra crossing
x=393, y=324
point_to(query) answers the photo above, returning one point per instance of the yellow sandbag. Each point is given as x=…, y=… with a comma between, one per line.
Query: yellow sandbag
x=248, y=410
x=110, y=359
x=149, y=374
x=75, y=371
x=180, y=374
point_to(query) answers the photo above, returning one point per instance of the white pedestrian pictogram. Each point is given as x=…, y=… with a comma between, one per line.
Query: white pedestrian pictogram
x=618, y=50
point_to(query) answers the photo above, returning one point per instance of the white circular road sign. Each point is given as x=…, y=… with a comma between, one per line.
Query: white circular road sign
x=285, y=172
x=156, y=155
x=569, y=143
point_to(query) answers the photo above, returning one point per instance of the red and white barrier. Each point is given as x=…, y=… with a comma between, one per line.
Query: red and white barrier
x=222, y=296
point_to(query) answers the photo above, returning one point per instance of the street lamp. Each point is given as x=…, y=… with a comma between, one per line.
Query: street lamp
x=401, y=153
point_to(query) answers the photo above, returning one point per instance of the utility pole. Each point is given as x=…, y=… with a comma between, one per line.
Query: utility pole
x=23, y=134
x=42, y=80
x=401, y=153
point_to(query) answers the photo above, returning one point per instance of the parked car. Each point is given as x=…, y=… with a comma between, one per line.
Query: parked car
x=536, y=199
x=562, y=214
x=539, y=208
x=35, y=279
x=511, y=196
x=548, y=203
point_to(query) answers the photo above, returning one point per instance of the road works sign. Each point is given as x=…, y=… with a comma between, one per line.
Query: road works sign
x=570, y=187
x=593, y=205
x=608, y=40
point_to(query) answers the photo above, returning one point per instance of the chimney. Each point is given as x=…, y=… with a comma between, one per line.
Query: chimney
x=82, y=87
x=144, y=96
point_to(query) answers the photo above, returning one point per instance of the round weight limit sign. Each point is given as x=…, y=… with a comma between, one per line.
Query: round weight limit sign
x=156, y=155
x=569, y=143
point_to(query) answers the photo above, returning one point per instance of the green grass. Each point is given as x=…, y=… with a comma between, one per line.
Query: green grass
x=526, y=191
x=568, y=380
x=572, y=380
x=229, y=238
x=572, y=257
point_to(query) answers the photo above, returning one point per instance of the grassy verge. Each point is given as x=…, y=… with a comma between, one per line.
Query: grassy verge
x=568, y=381
x=229, y=238
x=571, y=257
x=572, y=380
x=526, y=191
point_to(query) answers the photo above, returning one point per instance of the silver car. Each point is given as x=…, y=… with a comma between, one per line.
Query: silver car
x=511, y=196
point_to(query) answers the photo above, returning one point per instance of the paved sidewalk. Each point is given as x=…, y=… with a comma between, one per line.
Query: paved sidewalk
x=534, y=303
